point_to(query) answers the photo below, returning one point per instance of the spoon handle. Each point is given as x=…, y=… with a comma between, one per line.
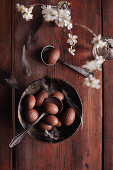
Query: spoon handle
x=17, y=139
x=81, y=71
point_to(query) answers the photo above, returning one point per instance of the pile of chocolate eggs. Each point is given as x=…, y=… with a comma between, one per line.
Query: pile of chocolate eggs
x=34, y=107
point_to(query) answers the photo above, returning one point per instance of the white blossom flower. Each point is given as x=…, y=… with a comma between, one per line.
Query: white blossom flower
x=20, y=8
x=72, y=50
x=69, y=26
x=27, y=12
x=92, y=82
x=64, y=14
x=66, y=22
x=27, y=16
x=49, y=13
x=72, y=39
x=99, y=40
x=63, y=18
x=59, y=22
x=93, y=65
x=96, y=39
x=46, y=9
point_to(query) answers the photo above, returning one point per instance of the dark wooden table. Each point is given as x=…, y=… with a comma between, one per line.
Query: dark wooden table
x=91, y=147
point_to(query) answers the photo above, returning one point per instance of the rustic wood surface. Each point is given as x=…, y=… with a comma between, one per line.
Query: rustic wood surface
x=5, y=92
x=91, y=147
x=108, y=90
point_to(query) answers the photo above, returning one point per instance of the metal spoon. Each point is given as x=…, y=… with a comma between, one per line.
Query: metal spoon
x=81, y=71
x=17, y=139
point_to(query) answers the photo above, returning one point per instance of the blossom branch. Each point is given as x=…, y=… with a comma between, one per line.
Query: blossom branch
x=61, y=16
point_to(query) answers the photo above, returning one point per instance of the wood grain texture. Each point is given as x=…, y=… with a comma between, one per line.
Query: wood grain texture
x=108, y=90
x=5, y=92
x=84, y=149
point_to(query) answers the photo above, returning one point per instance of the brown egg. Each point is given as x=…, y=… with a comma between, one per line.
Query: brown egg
x=68, y=117
x=31, y=115
x=52, y=56
x=51, y=120
x=58, y=95
x=40, y=98
x=30, y=102
x=44, y=126
x=59, y=123
x=51, y=108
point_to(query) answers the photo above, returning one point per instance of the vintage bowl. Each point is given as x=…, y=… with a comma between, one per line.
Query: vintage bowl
x=62, y=132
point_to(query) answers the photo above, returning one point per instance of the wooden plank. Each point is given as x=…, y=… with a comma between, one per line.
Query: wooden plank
x=108, y=89
x=5, y=92
x=84, y=149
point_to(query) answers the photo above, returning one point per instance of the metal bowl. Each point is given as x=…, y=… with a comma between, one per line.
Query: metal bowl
x=59, y=133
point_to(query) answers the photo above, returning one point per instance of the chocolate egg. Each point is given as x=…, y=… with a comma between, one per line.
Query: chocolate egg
x=68, y=116
x=52, y=56
x=31, y=115
x=59, y=123
x=51, y=120
x=30, y=102
x=51, y=108
x=40, y=98
x=44, y=126
x=58, y=95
